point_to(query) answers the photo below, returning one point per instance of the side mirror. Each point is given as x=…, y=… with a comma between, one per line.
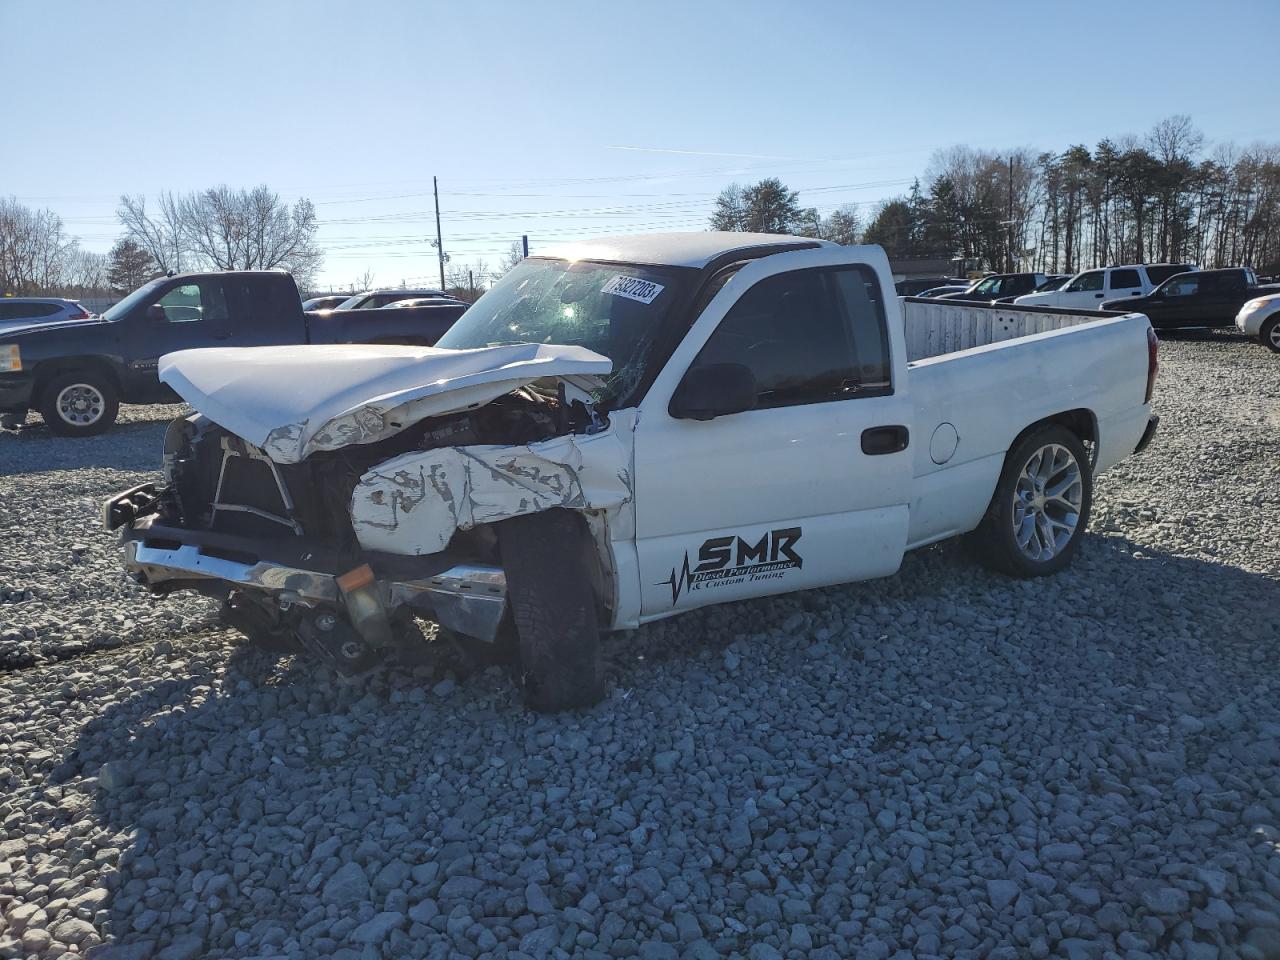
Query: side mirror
x=155, y=314
x=714, y=390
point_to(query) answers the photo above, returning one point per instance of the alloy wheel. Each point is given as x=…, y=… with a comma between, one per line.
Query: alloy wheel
x=1046, y=502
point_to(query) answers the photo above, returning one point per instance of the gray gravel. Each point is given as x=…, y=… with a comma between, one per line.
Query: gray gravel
x=945, y=763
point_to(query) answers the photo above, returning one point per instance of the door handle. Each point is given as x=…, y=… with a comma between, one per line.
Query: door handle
x=878, y=440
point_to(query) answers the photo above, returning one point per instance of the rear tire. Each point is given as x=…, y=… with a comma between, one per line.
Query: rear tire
x=1270, y=333
x=553, y=604
x=80, y=403
x=1040, y=509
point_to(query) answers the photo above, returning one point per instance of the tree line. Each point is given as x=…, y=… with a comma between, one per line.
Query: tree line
x=215, y=229
x=37, y=255
x=1163, y=197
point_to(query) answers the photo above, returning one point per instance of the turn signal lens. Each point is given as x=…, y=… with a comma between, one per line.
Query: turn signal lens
x=10, y=358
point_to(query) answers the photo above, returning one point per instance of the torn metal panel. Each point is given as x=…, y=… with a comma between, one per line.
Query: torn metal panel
x=291, y=401
x=413, y=504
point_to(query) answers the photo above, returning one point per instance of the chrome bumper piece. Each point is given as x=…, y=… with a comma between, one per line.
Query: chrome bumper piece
x=468, y=599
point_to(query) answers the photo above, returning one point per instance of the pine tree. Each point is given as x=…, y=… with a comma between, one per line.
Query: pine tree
x=129, y=266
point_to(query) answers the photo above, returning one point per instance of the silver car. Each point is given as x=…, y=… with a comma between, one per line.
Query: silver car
x=26, y=311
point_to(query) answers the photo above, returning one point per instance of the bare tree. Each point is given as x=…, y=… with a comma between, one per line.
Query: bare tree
x=467, y=281
x=85, y=274
x=842, y=226
x=514, y=255
x=35, y=252
x=227, y=229
x=365, y=280
x=160, y=234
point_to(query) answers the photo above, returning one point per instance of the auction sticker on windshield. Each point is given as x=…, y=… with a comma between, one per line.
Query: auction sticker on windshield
x=633, y=288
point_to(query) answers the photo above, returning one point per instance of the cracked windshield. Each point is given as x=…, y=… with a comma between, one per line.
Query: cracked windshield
x=615, y=310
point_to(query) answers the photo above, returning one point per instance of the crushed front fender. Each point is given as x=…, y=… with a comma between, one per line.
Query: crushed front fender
x=414, y=503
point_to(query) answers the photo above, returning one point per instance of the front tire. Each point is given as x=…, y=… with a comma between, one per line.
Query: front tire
x=80, y=403
x=1040, y=509
x=1270, y=333
x=549, y=588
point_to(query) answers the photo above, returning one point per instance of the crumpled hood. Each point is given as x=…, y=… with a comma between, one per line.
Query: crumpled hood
x=294, y=400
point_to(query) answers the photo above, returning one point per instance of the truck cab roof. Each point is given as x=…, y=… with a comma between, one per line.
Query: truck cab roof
x=696, y=250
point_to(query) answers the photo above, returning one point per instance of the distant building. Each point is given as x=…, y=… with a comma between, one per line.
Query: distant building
x=904, y=269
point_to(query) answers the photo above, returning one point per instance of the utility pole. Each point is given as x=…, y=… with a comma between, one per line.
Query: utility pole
x=525, y=241
x=1010, y=242
x=471, y=285
x=435, y=189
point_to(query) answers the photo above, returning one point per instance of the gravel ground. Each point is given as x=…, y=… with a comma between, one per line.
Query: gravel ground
x=944, y=763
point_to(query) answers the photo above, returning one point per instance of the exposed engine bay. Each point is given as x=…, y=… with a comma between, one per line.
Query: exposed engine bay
x=220, y=482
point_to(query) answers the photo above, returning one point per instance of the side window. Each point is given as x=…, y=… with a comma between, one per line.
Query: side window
x=1125, y=279
x=1086, y=282
x=1183, y=286
x=863, y=309
x=183, y=304
x=192, y=302
x=802, y=335
x=1232, y=282
x=8, y=311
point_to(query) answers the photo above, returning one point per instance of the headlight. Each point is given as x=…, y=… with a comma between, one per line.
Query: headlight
x=10, y=358
x=1253, y=305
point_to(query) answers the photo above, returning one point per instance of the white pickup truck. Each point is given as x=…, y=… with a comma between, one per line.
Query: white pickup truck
x=622, y=430
x=1088, y=290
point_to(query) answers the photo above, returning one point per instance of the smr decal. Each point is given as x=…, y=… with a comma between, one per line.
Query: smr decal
x=723, y=561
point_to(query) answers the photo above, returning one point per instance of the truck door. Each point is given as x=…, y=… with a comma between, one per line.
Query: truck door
x=1183, y=302
x=808, y=487
x=191, y=313
x=1085, y=292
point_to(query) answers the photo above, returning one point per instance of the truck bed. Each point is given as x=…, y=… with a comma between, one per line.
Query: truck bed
x=937, y=327
x=979, y=373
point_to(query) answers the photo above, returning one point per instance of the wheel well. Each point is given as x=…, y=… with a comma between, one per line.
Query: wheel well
x=592, y=545
x=47, y=371
x=1080, y=421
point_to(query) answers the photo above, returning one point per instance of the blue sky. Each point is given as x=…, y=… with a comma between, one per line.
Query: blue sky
x=570, y=119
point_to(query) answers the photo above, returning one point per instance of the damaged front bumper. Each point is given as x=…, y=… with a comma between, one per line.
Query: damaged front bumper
x=467, y=598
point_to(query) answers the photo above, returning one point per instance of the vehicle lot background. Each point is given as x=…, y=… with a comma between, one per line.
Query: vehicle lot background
x=946, y=762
